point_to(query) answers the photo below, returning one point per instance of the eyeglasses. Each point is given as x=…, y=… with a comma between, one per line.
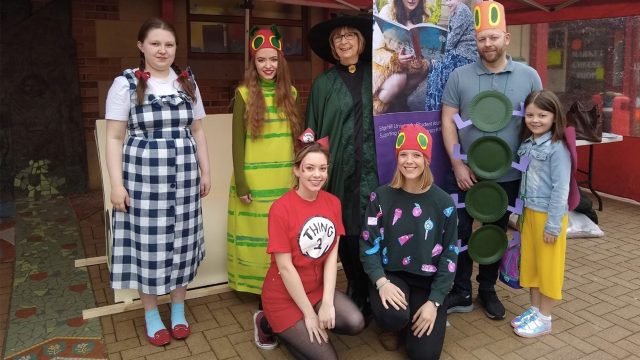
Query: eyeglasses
x=347, y=36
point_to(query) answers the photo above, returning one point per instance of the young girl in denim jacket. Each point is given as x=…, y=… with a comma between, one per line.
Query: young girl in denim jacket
x=544, y=189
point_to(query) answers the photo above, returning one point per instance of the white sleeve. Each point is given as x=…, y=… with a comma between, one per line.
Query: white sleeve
x=118, y=100
x=198, y=108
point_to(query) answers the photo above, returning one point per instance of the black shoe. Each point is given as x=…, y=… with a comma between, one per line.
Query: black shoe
x=458, y=302
x=493, y=308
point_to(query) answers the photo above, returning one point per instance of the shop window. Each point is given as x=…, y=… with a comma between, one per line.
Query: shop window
x=598, y=61
x=217, y=27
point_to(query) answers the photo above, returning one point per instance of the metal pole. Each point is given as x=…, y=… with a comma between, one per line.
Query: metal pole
x=247, y=5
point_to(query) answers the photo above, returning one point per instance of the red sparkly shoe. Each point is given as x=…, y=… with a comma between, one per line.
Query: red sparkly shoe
x=160, y=338
x=180, y=331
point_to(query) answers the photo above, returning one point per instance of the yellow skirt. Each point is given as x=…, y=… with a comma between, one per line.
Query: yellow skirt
x=542, y=264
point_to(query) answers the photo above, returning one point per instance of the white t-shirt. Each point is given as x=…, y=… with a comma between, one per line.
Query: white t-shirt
x=119, y=100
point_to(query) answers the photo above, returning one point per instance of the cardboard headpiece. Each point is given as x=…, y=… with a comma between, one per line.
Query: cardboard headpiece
x=489, y=14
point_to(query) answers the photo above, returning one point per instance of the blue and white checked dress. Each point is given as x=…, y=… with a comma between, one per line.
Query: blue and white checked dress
x=159, y=243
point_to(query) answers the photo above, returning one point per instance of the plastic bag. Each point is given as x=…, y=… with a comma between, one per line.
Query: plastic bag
x=580, y=226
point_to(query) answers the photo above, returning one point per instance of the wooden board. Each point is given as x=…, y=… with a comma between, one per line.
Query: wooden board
x=137, y=304
x=213, y=269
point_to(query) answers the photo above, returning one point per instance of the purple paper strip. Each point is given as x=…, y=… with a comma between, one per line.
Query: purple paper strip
x=520, y=111
x=518, y=208
x=459, y=122
x=522, y=165
x=459, y=205
x=457, y=154
x=460, y=247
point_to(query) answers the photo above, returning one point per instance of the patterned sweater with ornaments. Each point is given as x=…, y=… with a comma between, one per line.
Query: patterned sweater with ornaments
x=415, y=233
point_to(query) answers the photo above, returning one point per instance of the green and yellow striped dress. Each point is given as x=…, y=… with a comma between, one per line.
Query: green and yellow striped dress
x=268, y=173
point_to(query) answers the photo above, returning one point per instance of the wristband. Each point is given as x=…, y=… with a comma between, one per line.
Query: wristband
x=383, y=284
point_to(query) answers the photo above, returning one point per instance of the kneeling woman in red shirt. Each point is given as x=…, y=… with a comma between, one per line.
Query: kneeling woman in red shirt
x=299, y=292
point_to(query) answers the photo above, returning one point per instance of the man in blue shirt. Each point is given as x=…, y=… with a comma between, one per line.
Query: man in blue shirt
x=494, y=70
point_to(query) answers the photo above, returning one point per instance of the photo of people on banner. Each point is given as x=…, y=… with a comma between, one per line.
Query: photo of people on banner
x=416, y=45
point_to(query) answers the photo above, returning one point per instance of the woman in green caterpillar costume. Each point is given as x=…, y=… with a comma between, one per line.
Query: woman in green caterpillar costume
x=265, y=123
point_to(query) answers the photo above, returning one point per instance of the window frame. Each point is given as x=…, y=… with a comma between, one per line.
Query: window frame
x=303, y=24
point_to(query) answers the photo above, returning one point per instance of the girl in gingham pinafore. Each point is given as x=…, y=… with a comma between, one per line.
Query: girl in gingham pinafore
x=158, y=244
x=158, y=165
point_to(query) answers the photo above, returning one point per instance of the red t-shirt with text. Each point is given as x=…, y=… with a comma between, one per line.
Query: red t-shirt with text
x=309, y=231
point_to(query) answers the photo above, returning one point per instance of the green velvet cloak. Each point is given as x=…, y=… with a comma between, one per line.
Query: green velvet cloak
x=330, y=113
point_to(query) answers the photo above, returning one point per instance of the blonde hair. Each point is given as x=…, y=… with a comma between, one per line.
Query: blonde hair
x=337, y=31
x=426, y=179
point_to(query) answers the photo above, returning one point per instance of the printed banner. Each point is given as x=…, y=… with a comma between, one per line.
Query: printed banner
x=386, y=127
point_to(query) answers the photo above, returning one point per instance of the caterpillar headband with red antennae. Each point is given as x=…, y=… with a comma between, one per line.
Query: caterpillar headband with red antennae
x=265, y=39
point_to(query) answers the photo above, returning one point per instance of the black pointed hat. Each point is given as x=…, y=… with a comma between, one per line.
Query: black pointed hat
x=319, y=35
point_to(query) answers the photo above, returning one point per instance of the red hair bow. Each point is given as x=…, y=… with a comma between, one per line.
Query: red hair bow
x=308, y=137
x=142, y=75
x=184, y=74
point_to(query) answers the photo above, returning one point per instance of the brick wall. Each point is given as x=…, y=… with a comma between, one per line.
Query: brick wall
x=104, y=31
x=92, y=68
x=217, y=95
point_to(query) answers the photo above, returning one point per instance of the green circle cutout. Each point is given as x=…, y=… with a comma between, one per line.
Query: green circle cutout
x=257, y=42
x=486, y=201
x=487, y=244
x=489, y=157
x=400, y=140
x=423, y=141
x=275, y=42
x=494, y=15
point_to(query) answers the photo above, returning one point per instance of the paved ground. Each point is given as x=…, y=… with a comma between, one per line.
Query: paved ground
x=598, y=319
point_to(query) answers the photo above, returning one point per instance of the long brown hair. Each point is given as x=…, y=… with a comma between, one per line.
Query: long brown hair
x=548, y=101
x=152, y=24
x=256, y=108
x=420, y=14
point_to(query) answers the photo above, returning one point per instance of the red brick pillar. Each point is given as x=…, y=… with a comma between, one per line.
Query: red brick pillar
x=539, y=48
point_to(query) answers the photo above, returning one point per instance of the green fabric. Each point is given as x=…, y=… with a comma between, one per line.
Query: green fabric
x=262, y=168
x=404, y=216
x=330, y=113
x=238, y=133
